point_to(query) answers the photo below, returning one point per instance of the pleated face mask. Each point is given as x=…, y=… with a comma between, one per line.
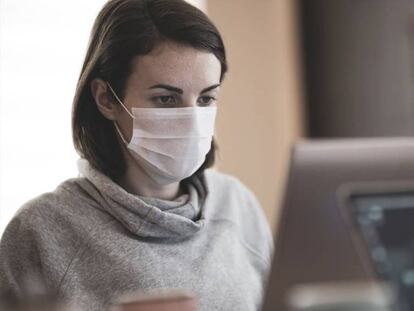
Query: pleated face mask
x=170, y=143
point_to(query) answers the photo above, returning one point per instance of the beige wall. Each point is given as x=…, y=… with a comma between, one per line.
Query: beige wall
x=259, y=105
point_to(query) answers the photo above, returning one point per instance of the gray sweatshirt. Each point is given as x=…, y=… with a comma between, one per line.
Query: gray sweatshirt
x=90, y=241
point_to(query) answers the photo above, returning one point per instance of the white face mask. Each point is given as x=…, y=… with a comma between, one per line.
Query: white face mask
x=170, y=143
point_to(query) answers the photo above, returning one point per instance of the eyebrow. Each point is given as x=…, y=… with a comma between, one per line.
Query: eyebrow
x=180, y=91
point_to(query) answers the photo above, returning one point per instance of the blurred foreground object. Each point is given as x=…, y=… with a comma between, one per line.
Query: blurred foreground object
x=164, y=300
x=34, y=296
x=361, y=296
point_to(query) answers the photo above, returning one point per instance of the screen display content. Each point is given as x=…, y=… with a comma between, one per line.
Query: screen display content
x=386, y=223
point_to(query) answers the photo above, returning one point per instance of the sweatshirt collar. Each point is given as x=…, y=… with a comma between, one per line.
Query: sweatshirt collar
x=146, y=217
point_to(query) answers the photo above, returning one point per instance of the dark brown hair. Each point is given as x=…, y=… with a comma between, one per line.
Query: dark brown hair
x=122, y=30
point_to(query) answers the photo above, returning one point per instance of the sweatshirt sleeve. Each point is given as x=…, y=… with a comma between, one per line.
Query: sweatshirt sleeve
x=20, y=265
x=35, y=252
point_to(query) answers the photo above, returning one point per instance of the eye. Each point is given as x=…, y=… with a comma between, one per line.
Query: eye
x=166, y=100
x=206, y=100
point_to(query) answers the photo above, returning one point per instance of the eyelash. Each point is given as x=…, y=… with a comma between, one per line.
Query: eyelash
x=211, y=99
x=158, y=100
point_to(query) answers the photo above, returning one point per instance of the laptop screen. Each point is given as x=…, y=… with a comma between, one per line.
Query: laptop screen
x=386, y=224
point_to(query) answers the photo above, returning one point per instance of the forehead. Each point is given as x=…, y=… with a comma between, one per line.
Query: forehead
x=178, y=65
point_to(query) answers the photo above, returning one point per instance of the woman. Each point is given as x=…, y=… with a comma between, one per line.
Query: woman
x=145, y=213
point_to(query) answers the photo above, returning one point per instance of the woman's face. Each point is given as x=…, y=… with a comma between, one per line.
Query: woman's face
x=171, y=76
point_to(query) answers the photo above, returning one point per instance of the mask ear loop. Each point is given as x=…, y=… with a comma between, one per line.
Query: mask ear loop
x=119, y=101
x=123, y=106
x=120, y=134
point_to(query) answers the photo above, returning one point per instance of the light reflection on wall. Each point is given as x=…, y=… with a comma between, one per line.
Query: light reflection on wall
x=201, y=4
x=42, y=45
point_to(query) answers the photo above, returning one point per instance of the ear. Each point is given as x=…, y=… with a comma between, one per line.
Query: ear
x=104, y=101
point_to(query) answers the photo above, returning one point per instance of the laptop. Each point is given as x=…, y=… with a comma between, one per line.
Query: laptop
x=334, y=187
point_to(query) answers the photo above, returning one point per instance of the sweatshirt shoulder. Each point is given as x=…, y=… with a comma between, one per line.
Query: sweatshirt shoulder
x=39, y=242
x=65, y=214
x=235, y=202
x=219, y=179
x=46, y=233
x=221, y=184
x=37, y=211
x=48, y=214
x=67, y=203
